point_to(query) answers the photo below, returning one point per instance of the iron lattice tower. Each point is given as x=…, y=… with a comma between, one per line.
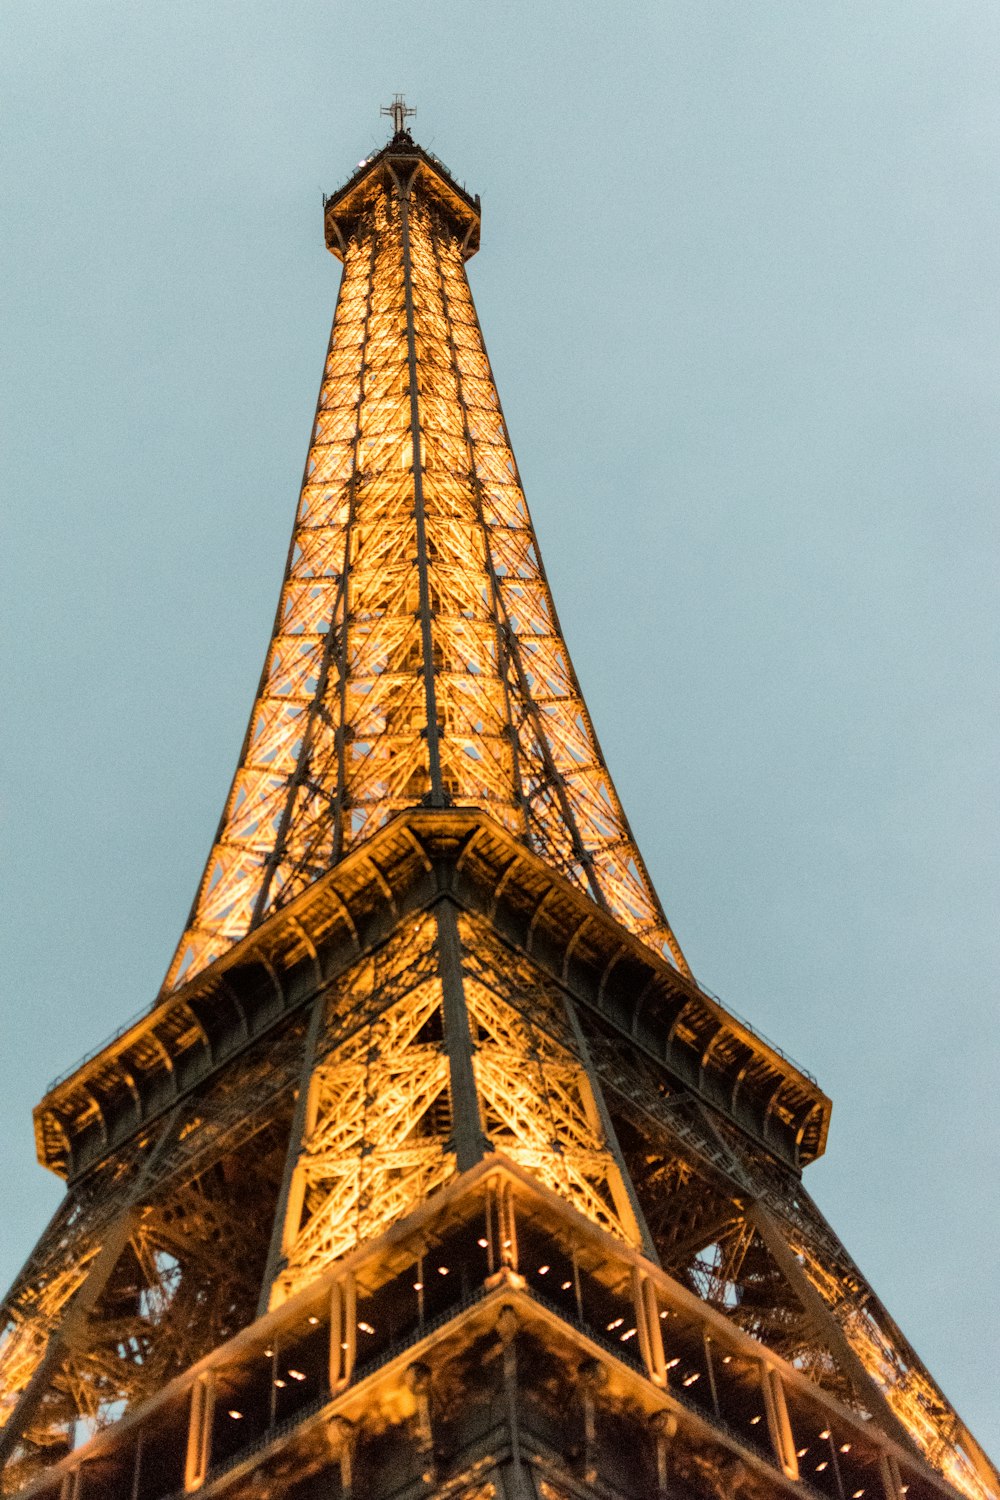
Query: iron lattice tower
x=432, y=1171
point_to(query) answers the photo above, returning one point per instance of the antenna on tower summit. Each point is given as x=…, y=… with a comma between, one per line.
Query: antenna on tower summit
x=399, y=111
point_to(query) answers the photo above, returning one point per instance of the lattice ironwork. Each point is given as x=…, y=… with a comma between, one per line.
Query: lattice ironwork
x=416, y=653
x=537, y=1094
x=150, y=1262
x=58, y=1267
x=379, y=1124
x=375, y=1139
x=703, y=1188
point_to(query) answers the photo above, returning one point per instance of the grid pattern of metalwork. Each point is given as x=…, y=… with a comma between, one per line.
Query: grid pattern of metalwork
x=382, y=1107
x=374, y=1140
x=537, y=1096
x=740, y=1229
x=150, y=1261
x=416, y=655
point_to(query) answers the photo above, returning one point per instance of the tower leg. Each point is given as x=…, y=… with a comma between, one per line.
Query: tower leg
x=827, y=1326
x=82, y=1304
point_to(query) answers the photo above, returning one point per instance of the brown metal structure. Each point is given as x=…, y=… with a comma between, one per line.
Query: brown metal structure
x=432, y=1171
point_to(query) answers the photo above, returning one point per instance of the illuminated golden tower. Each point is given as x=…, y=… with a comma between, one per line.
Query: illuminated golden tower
x=432, y=1171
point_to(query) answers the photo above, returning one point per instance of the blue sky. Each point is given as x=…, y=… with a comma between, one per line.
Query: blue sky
x=738, y=280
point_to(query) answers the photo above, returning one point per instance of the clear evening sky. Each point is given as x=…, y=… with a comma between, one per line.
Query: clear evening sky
x=739, y=284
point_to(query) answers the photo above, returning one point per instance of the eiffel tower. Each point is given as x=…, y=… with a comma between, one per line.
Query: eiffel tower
x=432, y=1171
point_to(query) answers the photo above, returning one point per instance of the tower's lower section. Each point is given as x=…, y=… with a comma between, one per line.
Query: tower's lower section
x=495, y=1345
x=441, y=1183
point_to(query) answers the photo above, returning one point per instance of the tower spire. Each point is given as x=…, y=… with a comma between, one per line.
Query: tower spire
x=416, y=657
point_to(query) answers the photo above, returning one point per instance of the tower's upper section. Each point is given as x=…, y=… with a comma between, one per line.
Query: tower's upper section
x=416, y=658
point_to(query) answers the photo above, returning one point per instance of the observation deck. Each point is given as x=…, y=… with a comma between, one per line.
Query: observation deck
x=419, y=858
x=401, y=162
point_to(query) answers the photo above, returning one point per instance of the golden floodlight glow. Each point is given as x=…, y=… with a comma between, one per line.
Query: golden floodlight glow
x=416, y=655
